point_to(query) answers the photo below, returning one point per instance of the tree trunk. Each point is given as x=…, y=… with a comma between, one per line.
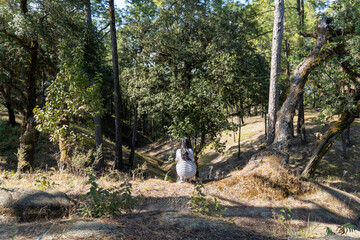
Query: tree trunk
x=133, y=138
x=99, y=159
x=327, y=141
x=275, y=68
x=347, y=137
x=117, y=94
x=64, y=161
x=11, y=114
x=301, y=119
x=314, y=101
x=29, y=137
x=314, y=58
x=26, y=151
x=239, y=152
x=197, y=151
x=265, y=123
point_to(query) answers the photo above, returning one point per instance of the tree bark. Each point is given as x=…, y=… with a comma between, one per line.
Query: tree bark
x=275, y=68
x=239, y=152
x=11, y=114
x=197, y=151
x=29, y=137
x=328, y=139
x=301, y=119
x=133, y=138
x=117, y=96
x=316, y=56
x=26, y=150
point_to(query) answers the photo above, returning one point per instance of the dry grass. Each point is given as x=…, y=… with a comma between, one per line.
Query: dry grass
x=266, y=178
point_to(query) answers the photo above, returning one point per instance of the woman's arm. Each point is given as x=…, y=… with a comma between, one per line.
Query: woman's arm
x=177, y=158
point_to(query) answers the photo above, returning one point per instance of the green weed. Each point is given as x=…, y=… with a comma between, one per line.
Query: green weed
x=99, y=201
x=205, y=206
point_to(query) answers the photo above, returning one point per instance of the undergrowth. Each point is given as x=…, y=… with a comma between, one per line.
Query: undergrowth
x=102, y=202
x=9, y=140
x=205, y=206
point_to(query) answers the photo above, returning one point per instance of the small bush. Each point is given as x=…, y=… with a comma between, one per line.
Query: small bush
x=80, y=160
x=205, y=206
x=42, y=181
x=99, y=201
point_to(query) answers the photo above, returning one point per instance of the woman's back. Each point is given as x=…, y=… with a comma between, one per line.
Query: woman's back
x=185, y=168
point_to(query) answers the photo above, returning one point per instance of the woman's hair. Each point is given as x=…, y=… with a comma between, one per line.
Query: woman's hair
x=185, y=147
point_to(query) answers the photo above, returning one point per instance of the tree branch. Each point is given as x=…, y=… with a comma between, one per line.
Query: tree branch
x=312, y=35
x=11, y=35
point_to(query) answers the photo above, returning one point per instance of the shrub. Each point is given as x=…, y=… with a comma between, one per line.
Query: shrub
x=99, y=201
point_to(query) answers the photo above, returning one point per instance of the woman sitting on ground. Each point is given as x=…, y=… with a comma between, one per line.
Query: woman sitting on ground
x=185, y=167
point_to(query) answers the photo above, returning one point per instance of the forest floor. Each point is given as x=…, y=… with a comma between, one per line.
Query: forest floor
x=163, y=209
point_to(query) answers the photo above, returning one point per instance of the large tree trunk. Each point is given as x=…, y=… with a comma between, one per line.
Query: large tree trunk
x=26, y=151
x=29, y=137
x=275, y=68
x=117, y=96
x=314, y=58
x=328, y=139
x=99, y=160
x=133, y=138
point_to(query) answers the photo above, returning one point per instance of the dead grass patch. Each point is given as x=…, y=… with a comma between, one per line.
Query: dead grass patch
x=265, y=178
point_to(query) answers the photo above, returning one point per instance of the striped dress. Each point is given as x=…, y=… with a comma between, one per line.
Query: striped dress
x=185, y=169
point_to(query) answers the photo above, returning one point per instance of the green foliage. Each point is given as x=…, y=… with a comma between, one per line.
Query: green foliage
x=188, y=60
x=81, y=159
x=285, y=218
x=347, y=227
x=71, y=95
x=139, y=171
x=42, y=181
x=101, y=202
x=205, y=206
x=329, y=232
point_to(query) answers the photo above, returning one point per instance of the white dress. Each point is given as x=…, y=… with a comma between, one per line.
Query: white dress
x=185, y=169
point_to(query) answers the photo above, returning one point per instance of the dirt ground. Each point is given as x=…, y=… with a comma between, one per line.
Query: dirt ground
x=163, y=208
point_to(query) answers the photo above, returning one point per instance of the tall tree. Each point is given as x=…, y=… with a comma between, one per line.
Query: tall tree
x=275, y=68
x=90, y=60
x=117, y=95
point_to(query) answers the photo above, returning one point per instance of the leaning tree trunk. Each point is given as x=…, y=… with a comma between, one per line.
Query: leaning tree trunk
x=328, y=140
x=275, y=68
x=117, y=96
x=316, y=56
